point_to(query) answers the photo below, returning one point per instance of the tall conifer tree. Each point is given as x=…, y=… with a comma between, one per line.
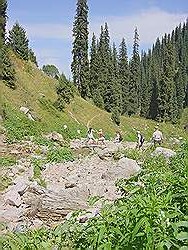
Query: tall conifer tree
x=167, y=91
x=123, y=75
x=7, y=72
x=3, y=7
x=18, y=41
x=134, y=82
x=95, y=88
x=80, y=63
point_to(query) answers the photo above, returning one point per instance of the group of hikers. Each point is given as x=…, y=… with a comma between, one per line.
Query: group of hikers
x=157, y=137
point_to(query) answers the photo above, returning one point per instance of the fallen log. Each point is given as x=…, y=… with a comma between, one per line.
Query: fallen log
x=50, y=206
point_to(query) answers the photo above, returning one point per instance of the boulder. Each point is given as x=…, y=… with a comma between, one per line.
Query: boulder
x=30, y=117
x=124, y=168
x=13, y=198
x=55, y=137
x=24, y=110
x=167, y=153
x=103, y=153
x=14, y=193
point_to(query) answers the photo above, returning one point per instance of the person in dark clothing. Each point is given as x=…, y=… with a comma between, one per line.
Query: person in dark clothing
x=140, y=140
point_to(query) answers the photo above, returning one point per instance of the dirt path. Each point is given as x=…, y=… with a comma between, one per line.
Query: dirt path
x=88, y=123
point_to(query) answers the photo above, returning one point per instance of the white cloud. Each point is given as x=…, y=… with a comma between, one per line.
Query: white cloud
x=55, y=31
x=47, y=30
x=151, y=23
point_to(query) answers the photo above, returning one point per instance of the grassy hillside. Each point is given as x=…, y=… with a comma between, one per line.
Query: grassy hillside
x=36, y=91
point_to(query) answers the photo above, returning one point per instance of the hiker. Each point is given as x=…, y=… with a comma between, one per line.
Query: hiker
x=90, y=137
x=157, y=137
x=140, y=140
x=118, y=138
x=101, y=137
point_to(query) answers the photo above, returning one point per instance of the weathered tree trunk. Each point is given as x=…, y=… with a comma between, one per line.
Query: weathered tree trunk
x=50, y=206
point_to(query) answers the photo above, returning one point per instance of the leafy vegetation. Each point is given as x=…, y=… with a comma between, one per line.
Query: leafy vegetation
x=18, y=126
x=60, y=155
x=51, y=70
x=18, y=41
x=7, y=161
x=37, y=172
x=151, y=215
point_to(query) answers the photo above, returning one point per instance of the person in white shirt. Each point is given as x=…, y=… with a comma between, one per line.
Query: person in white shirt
x=157, y=137
x=90, y=137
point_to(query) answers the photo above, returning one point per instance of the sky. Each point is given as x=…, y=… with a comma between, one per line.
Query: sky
x=48, y=24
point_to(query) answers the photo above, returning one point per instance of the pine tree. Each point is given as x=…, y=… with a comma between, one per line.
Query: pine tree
x=32, y=57
x=80, y=63
x=7, y=72
x=116, y=86
x=156, y=66
x=124, y=75
x=51, y=70
x=134, y=82
x=3, y=8
x=18, y=41
x=64, y=92
x=115, y=116
x=95, y=88
x=146, y=84
x=106, y=69
x=104, y=59
x=185, y=51
x=167, y=91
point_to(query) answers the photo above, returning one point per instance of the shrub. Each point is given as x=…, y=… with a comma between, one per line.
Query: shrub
x=60, y=154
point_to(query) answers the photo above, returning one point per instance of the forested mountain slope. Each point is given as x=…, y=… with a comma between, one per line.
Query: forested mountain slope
x=37, y=92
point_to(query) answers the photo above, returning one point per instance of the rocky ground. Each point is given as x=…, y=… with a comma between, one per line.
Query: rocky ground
x=69, y=185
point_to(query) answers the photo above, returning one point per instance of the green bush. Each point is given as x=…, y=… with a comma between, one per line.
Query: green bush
x=18, y=126
x=152, y=214
x=7, y=161
x=60, y=155
x=37, y=172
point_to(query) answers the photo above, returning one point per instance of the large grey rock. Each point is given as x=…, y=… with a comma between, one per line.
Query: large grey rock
x=13, y=198
x=103, y=153
x=14, y=193
x=167, y=153
x=124, y=169
x=91, y=176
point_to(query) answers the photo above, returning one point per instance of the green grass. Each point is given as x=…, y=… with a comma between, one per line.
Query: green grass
x=59, y=155
x=37, y=168
x=6, y=161
x=152, y=214
x=36, y=91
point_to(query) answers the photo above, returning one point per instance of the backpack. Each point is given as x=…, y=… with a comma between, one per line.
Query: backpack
x=142, y=139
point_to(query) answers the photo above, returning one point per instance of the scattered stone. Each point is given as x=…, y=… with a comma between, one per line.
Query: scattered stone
x=167, y=153
x=70, y=185
x=30, y=117
x=24, y=110
x=36, y=223
x=11, y=174
x=103, y=154
x=13, y=198
x=55, y=137
x=15, y=152
x=129, y=167
x=20, y=228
